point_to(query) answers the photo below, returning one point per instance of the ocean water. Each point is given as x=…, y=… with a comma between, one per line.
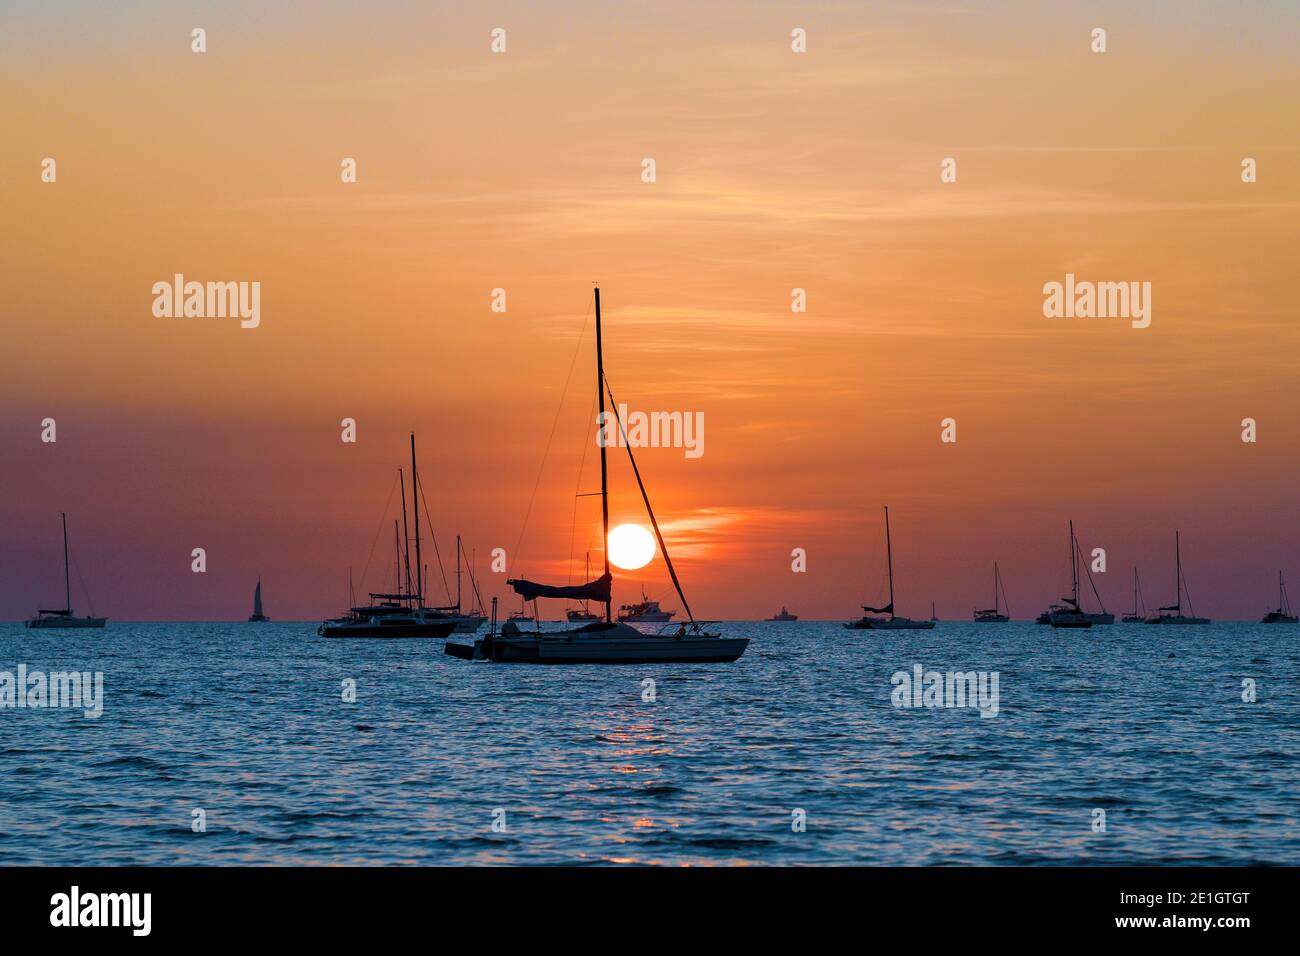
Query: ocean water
x=248, y=724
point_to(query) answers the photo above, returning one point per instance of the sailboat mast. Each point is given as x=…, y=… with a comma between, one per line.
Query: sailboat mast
x=406, y=537
x=1074, y=568
x=995, y=587
x=604, y=468
x=1178, y=571
x=457, y=574
x=415, y=499
x=889, y=560
x=67, y=586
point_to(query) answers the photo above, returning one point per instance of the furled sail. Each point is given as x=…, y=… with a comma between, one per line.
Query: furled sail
x=597, y=590
x=887, y=609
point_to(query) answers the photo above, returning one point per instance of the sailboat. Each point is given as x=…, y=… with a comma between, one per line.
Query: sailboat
x=400, y=614
x=63, y=617
x=582, y=614
x=994, y=615
x=1069, y=613
x=1139, y=614
x=1283, y=613
x=892, y=622
x=469, y=622
x=257, y=616
x=1178, y=617
x=605, y=641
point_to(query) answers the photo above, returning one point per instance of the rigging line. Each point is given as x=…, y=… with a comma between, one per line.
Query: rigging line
x=672, y=572
x=559, y=408
x=72, y=555
x=1078, y=547
x=573, y=527
x=434, y=538
x=383, y=519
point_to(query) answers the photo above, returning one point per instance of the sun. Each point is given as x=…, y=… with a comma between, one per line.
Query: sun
x=630, y=547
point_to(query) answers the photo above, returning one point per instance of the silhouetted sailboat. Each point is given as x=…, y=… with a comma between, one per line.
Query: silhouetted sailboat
x=607, y=641
x=257, y=616
x=994, y=615
x=1283, y=613
x=893, y=621
x=1178, y=617
x=583, y=614
x=400, y=614
x=1139, y=614
x=63, y=617
x=1069, y=613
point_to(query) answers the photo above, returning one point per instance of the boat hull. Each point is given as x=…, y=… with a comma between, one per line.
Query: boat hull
x=601, y=644
x=992, y=619
x=1277, y=617
x=59, y=623
x=1177, y=619
x=258, y=619
x=387, y=631
x=888, y=624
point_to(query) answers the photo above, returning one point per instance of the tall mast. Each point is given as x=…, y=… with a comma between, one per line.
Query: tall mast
x=889, y=558
x=1074, y=568
x=397, y=558
x=604, y=473
x=406, y=537
x=995, y=587
x=67, y=587
x=457, y=574
x=415, y=498
x=1178, y=571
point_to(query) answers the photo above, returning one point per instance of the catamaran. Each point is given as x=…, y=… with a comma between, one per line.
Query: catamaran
x=893, y=621
x=63, y=617
x=257, y=616
x=1139, y=614
x=605, y=641
x=401, y=613
x=1069, y=613
x=1283, y=613
x=1177, y=616
x=994, y=615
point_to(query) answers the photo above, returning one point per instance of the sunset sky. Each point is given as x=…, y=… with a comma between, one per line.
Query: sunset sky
x=775, y=170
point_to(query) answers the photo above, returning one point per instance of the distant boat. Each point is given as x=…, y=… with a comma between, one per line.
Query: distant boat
x=580, y=615
x=994, y=615
x=784, y=616
x=1069, y=613
x=466, y=623
x=604, y=641
x=1283, y=613
x=257, y=616
x=892, y=622
x=1178, y=617
x=933, y=616
x=644, y=611
x=63, y=617
x=401, y=614
x=1139, y=615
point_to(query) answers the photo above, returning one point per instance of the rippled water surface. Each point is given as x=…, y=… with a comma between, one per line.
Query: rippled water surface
x=247, y=723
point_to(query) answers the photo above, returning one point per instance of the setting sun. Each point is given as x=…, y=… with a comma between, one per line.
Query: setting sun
x=630, y=547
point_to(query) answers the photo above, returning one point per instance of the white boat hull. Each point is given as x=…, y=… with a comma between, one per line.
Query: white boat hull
x=66, y=622
x=888, y=624
x=602, y=644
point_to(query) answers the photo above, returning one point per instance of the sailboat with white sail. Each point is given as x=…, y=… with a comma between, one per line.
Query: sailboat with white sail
x=891, y=621
x=63, y=617
x=1283, y=613
x=994, y=614
x=257, y=616
x=605, y=641
x=1175, y=613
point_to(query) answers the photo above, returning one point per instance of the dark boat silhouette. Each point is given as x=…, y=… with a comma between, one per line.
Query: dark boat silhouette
x=892, y=621
x=1283, y=613
x=257, y=616
x=1176, y=615
x=994, y=614
x=63, y=617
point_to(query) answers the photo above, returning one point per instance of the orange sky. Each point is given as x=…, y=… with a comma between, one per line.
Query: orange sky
x=775, y=170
